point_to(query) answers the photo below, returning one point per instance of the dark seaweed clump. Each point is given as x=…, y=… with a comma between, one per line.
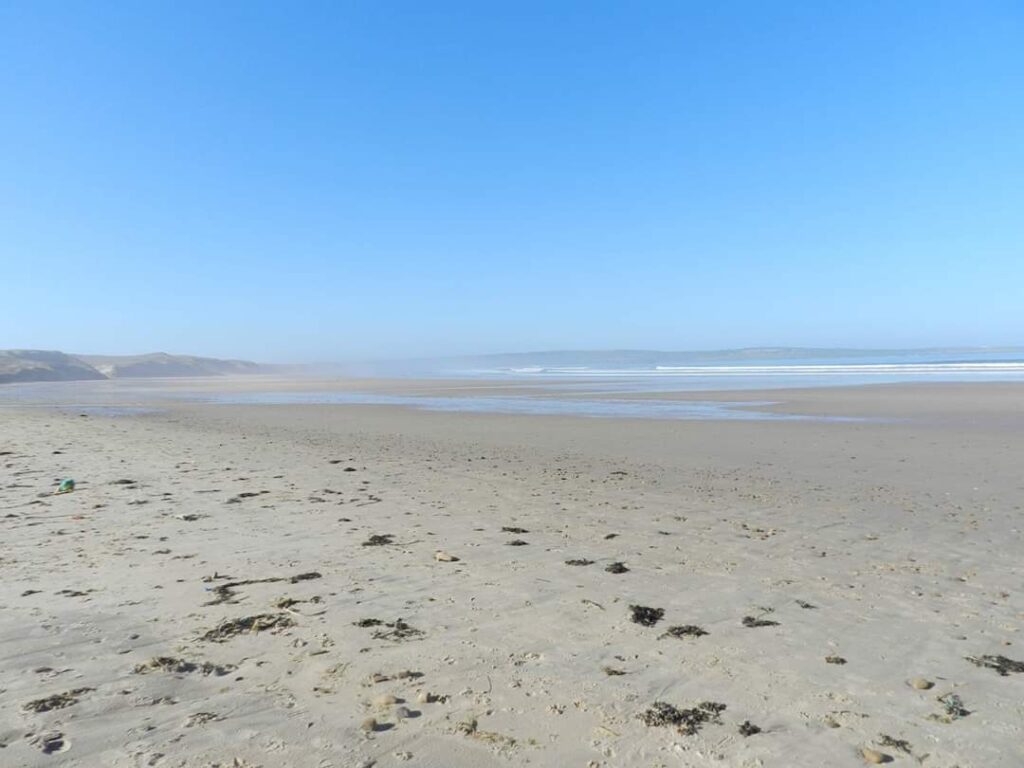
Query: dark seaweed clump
x=397, y=630
x=687, y=630
x=181, y=666
x=581, y=561
x=647, y=617
x=689, y=721
x=901, y=744
x=264, y=621
x=617, y=568
x=1000, y=664
x=750, y=621
x=379, y=540
x=57, y=701
x=512, y=529
x=747, y=728
x=225, y=593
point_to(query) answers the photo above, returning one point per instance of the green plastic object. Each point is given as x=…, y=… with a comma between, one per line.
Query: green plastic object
x=66, y=486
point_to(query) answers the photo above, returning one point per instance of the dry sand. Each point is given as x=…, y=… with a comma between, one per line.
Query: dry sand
x=829, y=564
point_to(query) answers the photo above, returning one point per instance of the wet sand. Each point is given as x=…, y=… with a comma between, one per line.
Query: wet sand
x=259, y=585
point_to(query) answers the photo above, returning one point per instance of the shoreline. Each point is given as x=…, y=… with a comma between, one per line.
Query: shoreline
x=997, y=404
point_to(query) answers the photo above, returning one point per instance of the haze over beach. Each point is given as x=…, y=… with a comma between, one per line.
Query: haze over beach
x=554, y=384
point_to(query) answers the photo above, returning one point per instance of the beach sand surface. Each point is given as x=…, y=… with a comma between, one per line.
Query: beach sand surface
x=260, y=586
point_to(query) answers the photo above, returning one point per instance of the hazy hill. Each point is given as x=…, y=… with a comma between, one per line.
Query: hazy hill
x=160, y=364
x=41, y=365
x=38, y=365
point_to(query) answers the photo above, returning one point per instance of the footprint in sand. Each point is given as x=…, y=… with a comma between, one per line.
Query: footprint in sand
x=52, y=743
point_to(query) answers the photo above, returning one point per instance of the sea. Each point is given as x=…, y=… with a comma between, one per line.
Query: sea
x=773, y=373
x=583, y=391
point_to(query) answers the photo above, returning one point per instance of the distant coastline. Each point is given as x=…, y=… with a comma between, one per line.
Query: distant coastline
x=27, y=366
x=34, y=365
x=622, y=361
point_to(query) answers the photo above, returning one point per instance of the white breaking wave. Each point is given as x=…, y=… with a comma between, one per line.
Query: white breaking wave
x=821, y=370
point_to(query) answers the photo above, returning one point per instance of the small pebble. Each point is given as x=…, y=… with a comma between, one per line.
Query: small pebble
x=402, y=713
x=385, y=700
x=424, y=697
x=369, y=724
x=874, y=756
x=921, y=684
x=444, y=557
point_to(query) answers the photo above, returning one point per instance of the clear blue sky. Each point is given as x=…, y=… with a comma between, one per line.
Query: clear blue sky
x=325, y=181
